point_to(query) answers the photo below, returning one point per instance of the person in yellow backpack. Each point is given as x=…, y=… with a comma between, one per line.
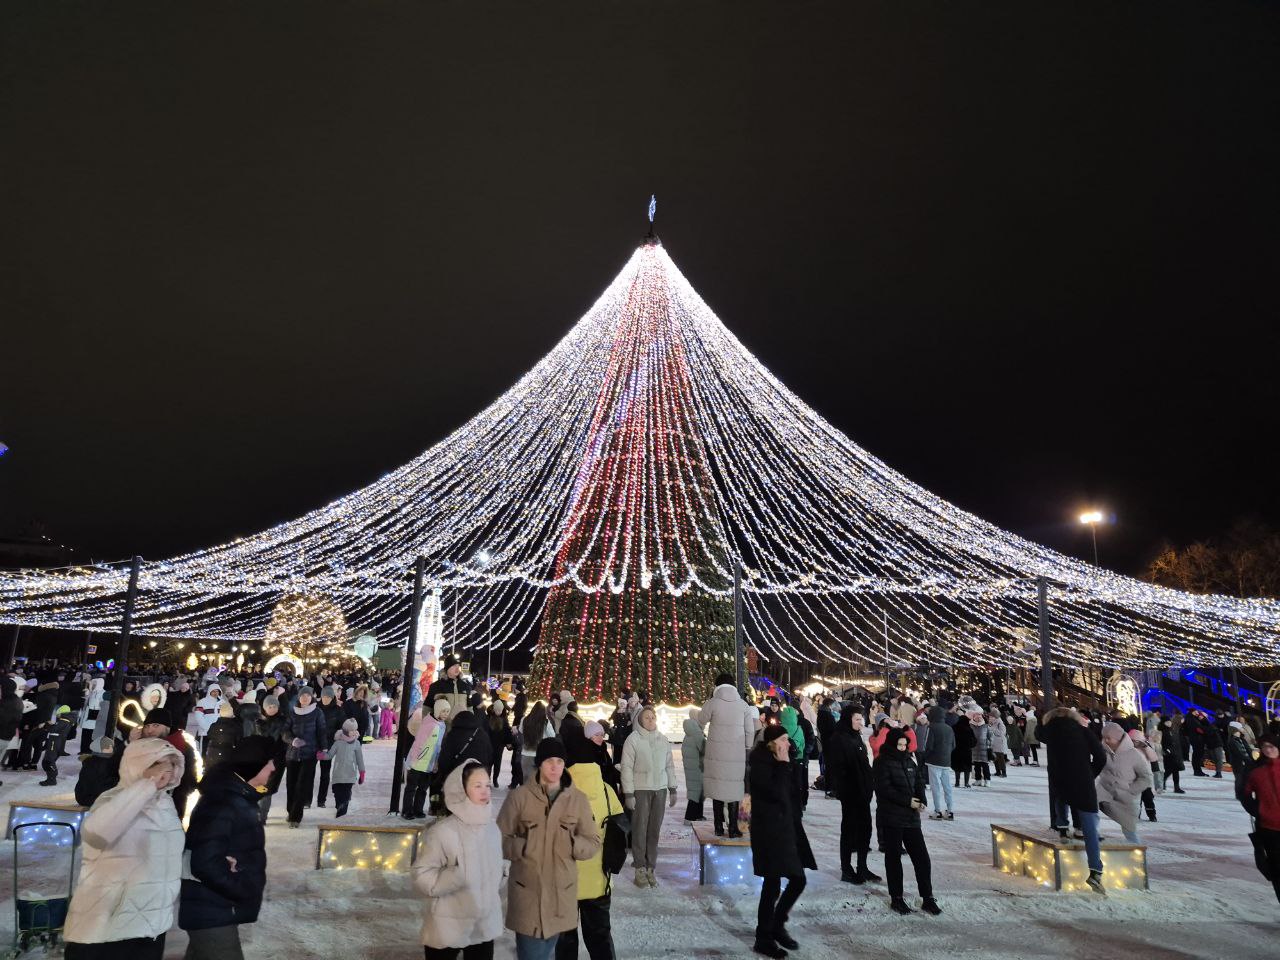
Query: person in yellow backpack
x=594, y=886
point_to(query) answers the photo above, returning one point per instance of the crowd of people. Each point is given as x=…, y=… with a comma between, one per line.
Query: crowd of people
x=583, y=794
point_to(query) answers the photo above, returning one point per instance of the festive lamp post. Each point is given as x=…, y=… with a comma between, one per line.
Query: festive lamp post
x=406, y=685
x=1092, y=518
x=122, y=657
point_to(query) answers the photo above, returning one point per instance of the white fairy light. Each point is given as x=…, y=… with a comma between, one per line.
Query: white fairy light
x=844, y=555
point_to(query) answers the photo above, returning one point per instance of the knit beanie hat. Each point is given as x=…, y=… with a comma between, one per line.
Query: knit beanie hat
x=62, y=709
x=329, y=692
x=593, y=729
x=349, y=725
x=772, y=732
x=549, y=747
x=441, y=709
x=250, y=755
x=308, y=691
x=271, y=701
x=159, y=715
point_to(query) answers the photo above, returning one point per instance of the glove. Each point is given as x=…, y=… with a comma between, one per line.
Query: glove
x=631, y=803
x=321, y=755
x=298, y=742
x=361, y=780
x=671, y=800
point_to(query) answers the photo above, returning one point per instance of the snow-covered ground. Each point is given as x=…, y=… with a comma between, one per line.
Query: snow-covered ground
x=1206, y=897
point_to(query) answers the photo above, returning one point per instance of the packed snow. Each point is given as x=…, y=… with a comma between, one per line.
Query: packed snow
x=1206, y=898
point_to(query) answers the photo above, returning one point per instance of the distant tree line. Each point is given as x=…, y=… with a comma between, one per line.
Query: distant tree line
x=1243, y=563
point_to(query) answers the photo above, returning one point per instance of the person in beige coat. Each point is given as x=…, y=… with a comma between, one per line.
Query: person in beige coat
x=648, y=779
x=459, y=871
x=1122, y=781
x=546, y=825
x=131, y=874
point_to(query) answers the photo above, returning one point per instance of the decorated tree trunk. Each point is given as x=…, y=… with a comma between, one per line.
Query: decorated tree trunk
x=644, y=505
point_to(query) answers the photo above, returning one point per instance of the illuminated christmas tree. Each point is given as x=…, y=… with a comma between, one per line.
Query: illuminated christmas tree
x=644, y=603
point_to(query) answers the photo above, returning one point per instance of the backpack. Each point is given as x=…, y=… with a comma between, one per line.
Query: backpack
x=617, y=837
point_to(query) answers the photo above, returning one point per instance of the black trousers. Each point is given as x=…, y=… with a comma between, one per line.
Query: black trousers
x=776, y=903
x=593, y=921
x=1001, y=761
x=342, y=797
x=1149, y=802
x=49, y=763
x=1271, y=843
x=855, y=832
x=517, y=769
x=323, y=792
x=135, y=948
x=495, y=769
x=477, y=951
x=717, y=810
x=895, y=838
x=1197, y=759
x=980, y=771
x=965, y=771
x=693, y=810
x=32, y=745
x=416, y=787
x=299, y=784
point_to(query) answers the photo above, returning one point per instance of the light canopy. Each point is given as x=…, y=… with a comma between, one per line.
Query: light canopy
x=845, y=558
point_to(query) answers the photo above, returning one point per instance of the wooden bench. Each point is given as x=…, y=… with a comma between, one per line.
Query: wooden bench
x=341, y=846
x=1058, y=864
x=722, y=860
x=44, y=811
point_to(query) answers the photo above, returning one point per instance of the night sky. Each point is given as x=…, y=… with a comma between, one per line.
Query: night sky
x=256, y=255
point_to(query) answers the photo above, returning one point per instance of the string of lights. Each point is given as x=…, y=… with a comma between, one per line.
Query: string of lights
x=650, y=450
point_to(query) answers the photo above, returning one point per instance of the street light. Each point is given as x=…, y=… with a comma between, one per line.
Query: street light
x=1093, y=518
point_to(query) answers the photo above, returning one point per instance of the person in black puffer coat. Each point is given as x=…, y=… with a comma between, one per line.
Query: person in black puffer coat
x=849, y=777
x=271, y=724
x=1076, y=757
x=466, y=739
x=779, y=847
x=227, y=846
x=225, y=733
x=962, y=753
x=900, y=786
x=304, y=731
x=333, y=720
x=499, y=731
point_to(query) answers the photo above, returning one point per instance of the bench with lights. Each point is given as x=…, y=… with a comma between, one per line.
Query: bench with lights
x=722, y=860
x=1060, y=864
x=357, y=847
x=45, y=811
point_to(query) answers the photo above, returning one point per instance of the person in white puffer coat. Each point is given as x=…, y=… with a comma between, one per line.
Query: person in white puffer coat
x=459, y=869
x=207, y=712
x=131, y=874
x=89, y=717
x=731, y=729
x=648, y=771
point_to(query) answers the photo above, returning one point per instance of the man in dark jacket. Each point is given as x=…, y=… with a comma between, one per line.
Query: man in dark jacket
x=35, y=721
x=935, y=744
x=1076, y=757
x=228, y=853
x=452, y=687
x=826, y=728
x=779, y=847
x=333, y=719
x=849, y=777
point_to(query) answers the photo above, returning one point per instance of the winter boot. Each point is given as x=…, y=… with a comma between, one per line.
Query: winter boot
x=48, y=783
x=717, y=811
x=734, y=832
x=642, y=879
x=1095, y=882
x=864, y=875
x=766, y=945
x=898, y=905
x=930, y=906
x=849, y=875
x=784, y=939
x=651, y=877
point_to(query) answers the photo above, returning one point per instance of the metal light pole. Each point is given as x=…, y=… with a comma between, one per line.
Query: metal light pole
x=739, y=656
x=410, y=649
x=1092, y=518
x=13, y=646
x=1046, y=666
x=122, y=656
